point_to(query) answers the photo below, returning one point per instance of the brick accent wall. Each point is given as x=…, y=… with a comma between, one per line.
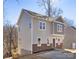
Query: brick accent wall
x=43, y=47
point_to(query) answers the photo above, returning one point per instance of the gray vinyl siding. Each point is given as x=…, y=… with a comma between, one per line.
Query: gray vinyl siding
x=43, y=34
x=55, y=28
x=70, y=37
x=24, y=34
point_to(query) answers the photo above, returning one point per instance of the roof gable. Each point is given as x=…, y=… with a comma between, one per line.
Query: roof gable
x=60, y=19
x=34, y=13
x=37, y=15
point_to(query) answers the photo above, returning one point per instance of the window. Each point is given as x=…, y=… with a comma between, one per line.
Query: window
x=59, y=28
x=42, y=25
x=39, y=43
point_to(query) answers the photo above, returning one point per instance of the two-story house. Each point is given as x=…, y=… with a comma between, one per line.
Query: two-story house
x=37, y=32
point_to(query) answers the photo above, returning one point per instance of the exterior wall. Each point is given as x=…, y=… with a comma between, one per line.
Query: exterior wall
x=57, y=35
x=46, y=34
x=42, y=34
x=70, y=37
x=29, y=31
x=24, y=33
x=58, y=40
x=43, y=47
x=55, y=28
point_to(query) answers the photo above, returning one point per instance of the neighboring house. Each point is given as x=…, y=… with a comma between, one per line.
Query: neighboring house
x=37, y=32
x=70, y=37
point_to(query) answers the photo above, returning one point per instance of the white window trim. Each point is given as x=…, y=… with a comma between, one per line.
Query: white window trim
x=42, y=25
x=59, y=28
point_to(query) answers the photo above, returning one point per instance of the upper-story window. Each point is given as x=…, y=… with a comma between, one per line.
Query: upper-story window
x=42, y=25
x=59, y=28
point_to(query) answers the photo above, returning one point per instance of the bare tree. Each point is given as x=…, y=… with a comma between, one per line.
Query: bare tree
x=70, y=22
x=50, y=9
x=9, y=39
x=9, y=34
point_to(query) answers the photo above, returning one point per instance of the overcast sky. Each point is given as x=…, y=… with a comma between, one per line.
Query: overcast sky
x=12, y=8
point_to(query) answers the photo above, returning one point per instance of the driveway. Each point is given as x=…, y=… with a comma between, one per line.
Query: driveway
x=31, y=57
x=57, y=54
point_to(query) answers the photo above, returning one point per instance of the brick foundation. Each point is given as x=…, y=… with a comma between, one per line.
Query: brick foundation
x=43, y=47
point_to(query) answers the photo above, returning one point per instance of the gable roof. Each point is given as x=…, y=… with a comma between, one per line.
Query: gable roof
x=34, y=13
x=51, y=19
x=59, y=19
x=46, y=18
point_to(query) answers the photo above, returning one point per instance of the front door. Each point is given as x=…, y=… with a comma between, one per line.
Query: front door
x=53, y=42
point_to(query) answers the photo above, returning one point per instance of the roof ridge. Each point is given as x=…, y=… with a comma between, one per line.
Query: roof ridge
x=31, y=12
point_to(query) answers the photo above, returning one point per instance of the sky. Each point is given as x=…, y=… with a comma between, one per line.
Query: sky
x=12, y=9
